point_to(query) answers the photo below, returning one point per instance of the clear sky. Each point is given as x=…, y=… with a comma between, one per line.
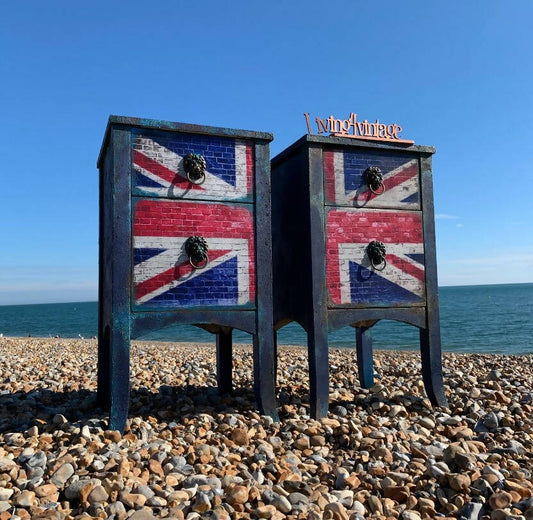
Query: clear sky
x=456, y=75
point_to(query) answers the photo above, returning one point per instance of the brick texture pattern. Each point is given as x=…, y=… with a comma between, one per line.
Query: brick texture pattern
x=158, y=166
x=351, y=279
x=163, y=275
x=345, y=184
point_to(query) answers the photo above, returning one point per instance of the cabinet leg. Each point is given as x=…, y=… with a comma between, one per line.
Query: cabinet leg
x=317, y=344
x=275, y=358
x=365, y=362
x=432, y=366
x=119, y=393
x=104, y=368
x=265, y=373
x=224, y=361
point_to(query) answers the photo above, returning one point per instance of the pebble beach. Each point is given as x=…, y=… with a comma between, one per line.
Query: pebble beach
x=189, y=453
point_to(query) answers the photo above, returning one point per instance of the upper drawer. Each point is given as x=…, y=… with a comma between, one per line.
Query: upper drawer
x=345, y=184
x=158, y=168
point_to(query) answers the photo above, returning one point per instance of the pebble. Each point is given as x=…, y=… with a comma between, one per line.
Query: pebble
x=188, y=453
x=238, y=495
x=61, y=476
x=97, y=495
x=25, y=499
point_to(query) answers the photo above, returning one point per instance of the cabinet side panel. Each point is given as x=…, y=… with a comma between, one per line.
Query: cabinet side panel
x=291, y=237
x=429, y=239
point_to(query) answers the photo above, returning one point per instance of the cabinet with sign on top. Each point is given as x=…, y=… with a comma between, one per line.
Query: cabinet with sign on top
x=353, y=244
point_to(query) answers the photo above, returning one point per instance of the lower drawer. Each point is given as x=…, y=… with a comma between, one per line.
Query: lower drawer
x=164, y=274
x=351, y=278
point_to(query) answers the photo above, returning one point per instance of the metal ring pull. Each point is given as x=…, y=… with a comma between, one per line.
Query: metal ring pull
x=195, y=166
x=374, y=180
x=376, y=253
x=196, y=249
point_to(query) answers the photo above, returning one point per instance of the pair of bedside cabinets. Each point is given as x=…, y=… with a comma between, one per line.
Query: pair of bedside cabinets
x=198, y=227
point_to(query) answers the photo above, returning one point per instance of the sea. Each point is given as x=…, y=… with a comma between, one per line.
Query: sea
x=491, y=319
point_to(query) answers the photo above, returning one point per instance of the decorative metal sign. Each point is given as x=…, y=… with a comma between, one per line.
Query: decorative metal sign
x=357, y=129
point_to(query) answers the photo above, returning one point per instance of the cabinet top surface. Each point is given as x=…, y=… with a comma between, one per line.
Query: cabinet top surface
x=307, y=141
x=169, y=126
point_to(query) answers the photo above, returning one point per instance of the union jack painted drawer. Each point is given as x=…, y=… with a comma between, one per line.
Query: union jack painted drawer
x=185, y=237
x=163, y=275
x=353, y=244
x=345, y=183
x=352, y=280
x=159, y=160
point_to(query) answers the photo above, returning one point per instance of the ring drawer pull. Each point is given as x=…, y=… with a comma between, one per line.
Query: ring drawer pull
x=374, y=180
x=196, y=249
x=194, y=165
x=376, y=253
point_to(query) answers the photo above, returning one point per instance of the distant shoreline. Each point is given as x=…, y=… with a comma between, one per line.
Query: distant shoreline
x=481, y=285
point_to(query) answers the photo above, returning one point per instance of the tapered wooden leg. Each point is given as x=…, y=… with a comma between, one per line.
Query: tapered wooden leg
x=430, y=351
x=265, y=372
x=224, y=361
x=119, y=389
x=317, y=344
x=275, y=358
x=104, y=368
x=365, y=362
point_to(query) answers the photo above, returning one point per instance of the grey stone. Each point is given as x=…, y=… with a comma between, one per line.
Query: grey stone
x=491, y=421
x=146, y=491
x=72, y=492
x=115, y=508
x=195, y=480
x=281, y=503
x=38, y=460
x=61, y=476
x=98, y=495
x=298, y=498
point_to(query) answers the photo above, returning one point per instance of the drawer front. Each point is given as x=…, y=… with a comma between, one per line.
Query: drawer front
x=158, y=166
x=351, y=278
x=344, y=179
x=163, y=275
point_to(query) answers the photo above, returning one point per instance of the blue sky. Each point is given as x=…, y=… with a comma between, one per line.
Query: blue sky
x=456, y=75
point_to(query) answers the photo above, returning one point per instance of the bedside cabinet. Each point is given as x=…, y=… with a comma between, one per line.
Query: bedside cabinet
x=354, y=243
x=184, y=238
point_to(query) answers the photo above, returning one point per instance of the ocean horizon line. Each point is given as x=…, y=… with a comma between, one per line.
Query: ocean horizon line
x=96, y=301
